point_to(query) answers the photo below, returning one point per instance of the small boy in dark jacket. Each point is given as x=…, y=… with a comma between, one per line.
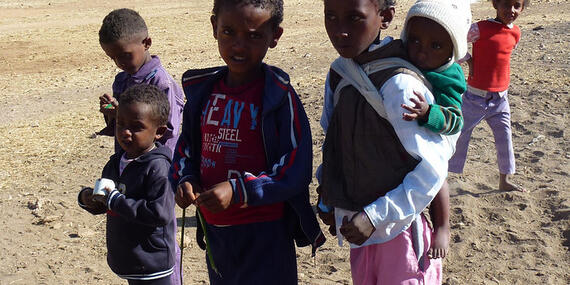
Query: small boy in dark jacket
x=140, y=210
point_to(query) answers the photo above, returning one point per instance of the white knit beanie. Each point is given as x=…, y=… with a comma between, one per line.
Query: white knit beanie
x=453, y=15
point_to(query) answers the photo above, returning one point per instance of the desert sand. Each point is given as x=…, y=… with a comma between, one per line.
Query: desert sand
x=54, y=71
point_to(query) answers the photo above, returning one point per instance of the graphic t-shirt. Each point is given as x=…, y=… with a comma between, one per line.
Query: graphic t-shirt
x=232, y=143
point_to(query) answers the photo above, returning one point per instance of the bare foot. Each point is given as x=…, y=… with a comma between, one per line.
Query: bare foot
x=506, y=185
x=440, y=243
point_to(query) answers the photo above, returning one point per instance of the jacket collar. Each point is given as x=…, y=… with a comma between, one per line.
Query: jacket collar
x=147, y=71
x=200, y=83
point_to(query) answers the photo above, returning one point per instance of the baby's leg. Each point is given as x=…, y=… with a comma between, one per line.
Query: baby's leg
x=440, y=217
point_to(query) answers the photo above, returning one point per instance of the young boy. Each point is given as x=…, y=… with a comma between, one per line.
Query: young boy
x=486, y=97
x=435, y=35
x=379, y=172
x=244, y=157
x=124, y=38
x=140, y=218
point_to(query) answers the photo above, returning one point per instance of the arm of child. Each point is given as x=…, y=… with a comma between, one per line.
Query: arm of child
x=185, y=169
x=155, y=208
x=291, y=173
x=444, y=116
x=325, y=212
x=391, y=214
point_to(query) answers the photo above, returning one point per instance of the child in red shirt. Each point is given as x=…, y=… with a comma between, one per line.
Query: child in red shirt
x=486, y=97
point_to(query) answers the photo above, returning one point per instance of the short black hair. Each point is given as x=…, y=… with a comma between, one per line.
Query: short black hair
x=150, y=95
x=121, y=24
x=384, y=4
x=276, y=7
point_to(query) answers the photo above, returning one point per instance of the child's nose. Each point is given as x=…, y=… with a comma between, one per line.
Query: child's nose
x=239, y=43
x=343, y=34
x=125, y=133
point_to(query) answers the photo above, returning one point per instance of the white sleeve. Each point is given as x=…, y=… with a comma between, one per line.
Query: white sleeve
x=328, y=108
x=394, y=212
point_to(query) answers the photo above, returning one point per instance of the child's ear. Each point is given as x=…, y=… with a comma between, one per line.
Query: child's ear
x=214, y=26
x=160, y=131
x=276, y=36
x=387, y=17
x=147, y=42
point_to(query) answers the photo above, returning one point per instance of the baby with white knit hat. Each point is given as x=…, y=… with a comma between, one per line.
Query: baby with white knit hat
x=435, y=36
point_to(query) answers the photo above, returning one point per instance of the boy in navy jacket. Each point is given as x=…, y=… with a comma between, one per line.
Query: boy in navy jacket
x=140, y=210
x=244, y=156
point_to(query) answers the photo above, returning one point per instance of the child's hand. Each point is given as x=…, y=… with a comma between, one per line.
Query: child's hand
x=358, y=229
x=90, y=201
x=107, y=105
x=217, y=198
x=186, y=194
x=420, y=109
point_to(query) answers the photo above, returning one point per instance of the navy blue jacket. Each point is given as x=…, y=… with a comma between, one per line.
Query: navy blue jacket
x=140, y=218
x=287, y=145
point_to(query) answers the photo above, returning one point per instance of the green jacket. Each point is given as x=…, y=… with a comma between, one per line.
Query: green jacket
x=447, y=86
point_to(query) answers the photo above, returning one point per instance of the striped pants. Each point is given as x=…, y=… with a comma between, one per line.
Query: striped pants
x=496, y=111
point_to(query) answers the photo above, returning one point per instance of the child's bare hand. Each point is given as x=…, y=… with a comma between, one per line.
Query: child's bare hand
x=90, y=201
x=358, y=229
x=107, y=105
x=419, y=110
x=217, y=198
x=186, y=194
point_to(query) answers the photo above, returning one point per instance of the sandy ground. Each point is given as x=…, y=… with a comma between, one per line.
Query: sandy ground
x=54, y=70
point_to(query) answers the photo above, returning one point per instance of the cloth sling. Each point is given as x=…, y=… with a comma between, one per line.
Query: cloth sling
x=358, y=76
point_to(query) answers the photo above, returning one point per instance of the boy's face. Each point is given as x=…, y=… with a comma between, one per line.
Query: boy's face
x=352, y=25
x=508, y=10
x=136, y=130
x=244, y=34
x=428, y=43
x=129, y=55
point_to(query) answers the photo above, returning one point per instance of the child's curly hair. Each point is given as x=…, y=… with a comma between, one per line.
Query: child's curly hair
x=276, y=7
x=150, y=95
x=383, y=4
x=121, y=24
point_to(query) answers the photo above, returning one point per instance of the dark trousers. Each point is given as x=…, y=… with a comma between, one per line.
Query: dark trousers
x=257, y=253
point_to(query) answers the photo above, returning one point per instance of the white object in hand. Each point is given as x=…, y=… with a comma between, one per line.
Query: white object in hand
x=101, y=184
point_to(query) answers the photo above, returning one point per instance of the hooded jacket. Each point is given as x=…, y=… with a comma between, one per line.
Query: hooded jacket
x=140, y=216
x=287, y=146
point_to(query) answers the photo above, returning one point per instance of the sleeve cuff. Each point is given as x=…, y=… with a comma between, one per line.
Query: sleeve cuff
x=239, y=192
x=324, y=208
x=113, y=196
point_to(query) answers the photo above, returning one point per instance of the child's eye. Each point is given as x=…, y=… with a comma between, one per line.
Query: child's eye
x=355, y=18
x=330, y=17
x=413, y=40
x=226, y=32
x=435, y=46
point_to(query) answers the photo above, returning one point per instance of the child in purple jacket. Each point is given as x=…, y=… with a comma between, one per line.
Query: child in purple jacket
x=124, y=38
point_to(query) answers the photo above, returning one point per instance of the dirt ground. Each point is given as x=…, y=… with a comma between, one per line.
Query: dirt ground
x=54, y=71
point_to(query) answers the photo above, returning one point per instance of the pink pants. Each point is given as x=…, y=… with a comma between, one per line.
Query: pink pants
x=394, y=262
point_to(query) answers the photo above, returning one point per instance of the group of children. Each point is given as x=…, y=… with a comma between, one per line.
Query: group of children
x=393, y=110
